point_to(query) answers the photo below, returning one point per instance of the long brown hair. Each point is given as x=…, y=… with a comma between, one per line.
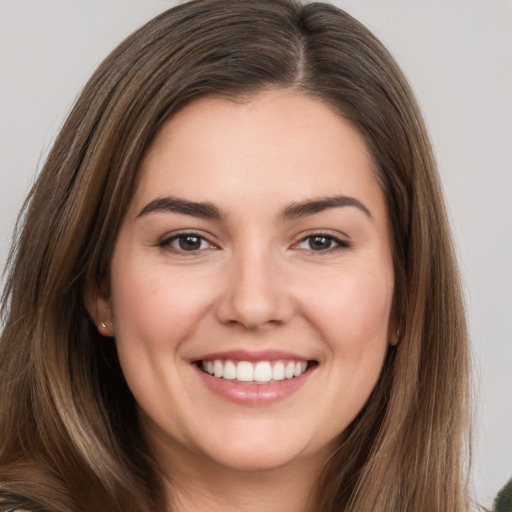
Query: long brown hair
x=69, y=439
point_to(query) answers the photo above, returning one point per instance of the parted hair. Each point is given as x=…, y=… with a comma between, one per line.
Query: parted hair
x=69, y=437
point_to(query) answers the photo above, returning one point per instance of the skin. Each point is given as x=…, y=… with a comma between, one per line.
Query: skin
x=255, y=283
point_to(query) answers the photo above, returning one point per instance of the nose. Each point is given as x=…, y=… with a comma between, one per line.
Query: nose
x=255, y=294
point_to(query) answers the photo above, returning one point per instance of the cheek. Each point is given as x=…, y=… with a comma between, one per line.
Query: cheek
x=353, y=319
x=354, y=308
x=157, y=304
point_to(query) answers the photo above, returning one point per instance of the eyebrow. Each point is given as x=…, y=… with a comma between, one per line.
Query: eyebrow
x=311, y=207
x=176, y=205
x=208, y=210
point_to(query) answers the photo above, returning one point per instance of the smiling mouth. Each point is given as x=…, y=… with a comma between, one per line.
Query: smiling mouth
x=262, y=372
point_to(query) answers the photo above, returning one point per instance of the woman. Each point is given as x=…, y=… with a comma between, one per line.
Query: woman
x=234, y=285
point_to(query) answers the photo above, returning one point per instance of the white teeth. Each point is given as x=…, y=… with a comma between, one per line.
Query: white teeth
x=261, y=372
x=289, y=370
x=244, y=371
x=278, y=371
x=217, y=369
x=229, y=370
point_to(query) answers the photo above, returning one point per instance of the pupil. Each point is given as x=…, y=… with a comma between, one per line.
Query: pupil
x=190, y=243
x=320, y=243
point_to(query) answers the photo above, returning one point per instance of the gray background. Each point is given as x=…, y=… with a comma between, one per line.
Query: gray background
x=457, y=55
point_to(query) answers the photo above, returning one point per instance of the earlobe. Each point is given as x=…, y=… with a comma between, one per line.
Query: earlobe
x=394, y=329
x=394, y=338
x=106, y=328
x=395, y=320
x=98, y=304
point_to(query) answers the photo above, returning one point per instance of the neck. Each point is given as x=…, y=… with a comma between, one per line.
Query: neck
x=210, y=487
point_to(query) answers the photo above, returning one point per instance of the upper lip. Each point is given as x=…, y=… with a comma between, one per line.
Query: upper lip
x=252, y=356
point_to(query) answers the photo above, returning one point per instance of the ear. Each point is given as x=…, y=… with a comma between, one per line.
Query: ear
x=394, y=336
x=99, y=306
x=394, y=323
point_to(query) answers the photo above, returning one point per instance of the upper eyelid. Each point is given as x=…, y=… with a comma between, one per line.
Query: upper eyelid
x=187, y=232
x=336, y=239
x=165, y=241
x=326, y=234
x=336, y=235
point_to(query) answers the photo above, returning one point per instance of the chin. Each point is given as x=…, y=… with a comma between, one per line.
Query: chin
x=259, y=452
x=254, y=460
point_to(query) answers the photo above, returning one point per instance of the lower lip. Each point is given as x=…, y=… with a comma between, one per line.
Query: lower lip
x=254, y=394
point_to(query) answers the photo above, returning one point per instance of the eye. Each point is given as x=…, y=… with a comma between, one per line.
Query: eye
x=321, y=243
x=186, y=242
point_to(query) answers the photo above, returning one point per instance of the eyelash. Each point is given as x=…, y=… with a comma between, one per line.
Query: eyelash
x=339, y=244
x=167, y=243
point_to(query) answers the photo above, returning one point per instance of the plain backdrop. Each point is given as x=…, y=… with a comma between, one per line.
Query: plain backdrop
x=458, y=56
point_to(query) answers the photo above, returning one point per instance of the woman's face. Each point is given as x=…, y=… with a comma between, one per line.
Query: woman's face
x=252, y=283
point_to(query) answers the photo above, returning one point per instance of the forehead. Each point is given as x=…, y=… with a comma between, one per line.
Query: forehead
x=278, y=145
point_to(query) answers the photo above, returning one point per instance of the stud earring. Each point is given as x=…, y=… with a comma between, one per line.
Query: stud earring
x=108, y=331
